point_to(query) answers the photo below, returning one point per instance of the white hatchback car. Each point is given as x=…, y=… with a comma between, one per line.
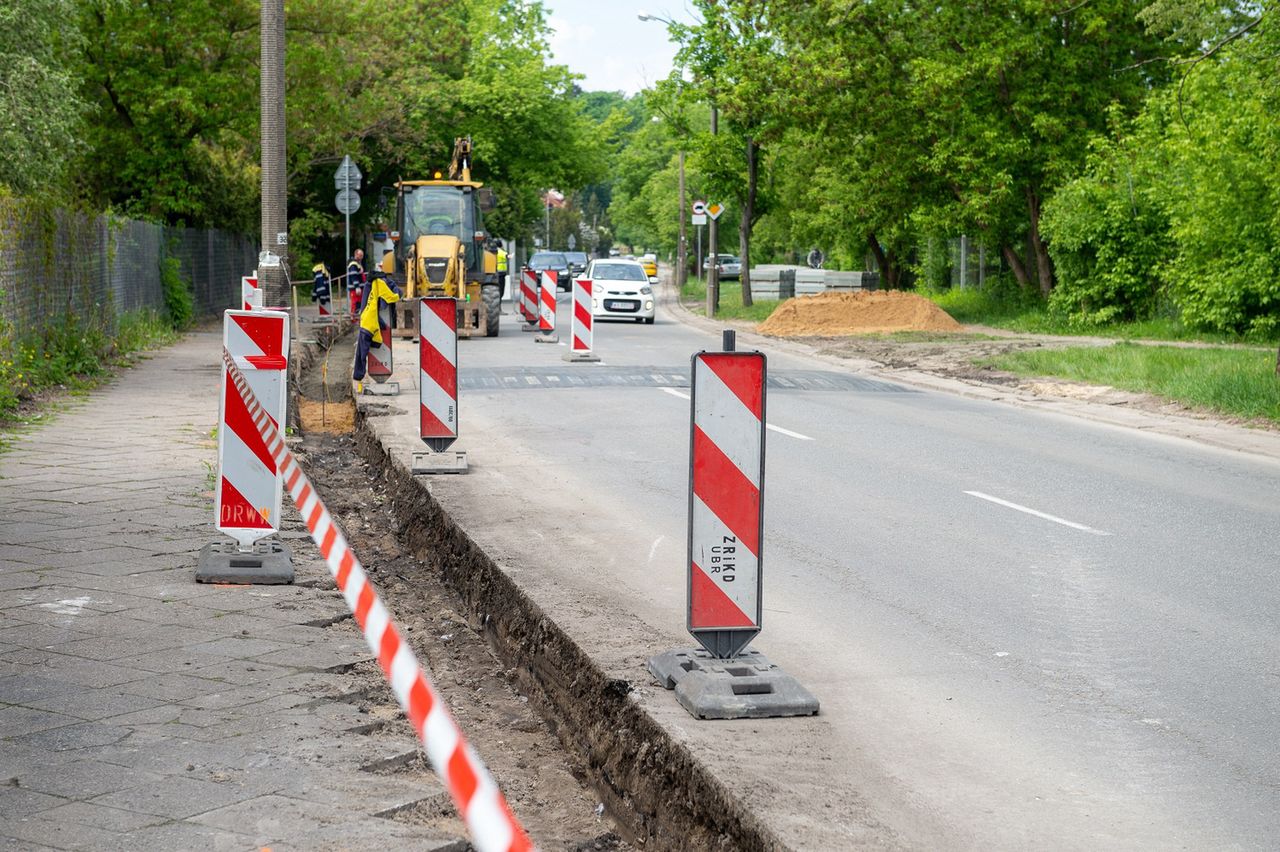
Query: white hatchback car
x=620, y=290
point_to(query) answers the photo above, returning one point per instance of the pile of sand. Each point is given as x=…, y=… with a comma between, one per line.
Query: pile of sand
x=863, y=312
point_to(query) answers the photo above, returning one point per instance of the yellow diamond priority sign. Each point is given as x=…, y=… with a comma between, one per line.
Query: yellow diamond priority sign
x=714, y=209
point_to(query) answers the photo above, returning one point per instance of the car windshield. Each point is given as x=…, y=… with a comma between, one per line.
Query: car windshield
x=440, y=211
x=578, y=257
x=547, y=260
x=619, y=272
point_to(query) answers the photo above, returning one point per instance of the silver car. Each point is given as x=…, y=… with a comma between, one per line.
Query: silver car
x=730, y=265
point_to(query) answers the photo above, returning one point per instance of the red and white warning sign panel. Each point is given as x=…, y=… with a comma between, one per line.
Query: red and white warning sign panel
x=547, y=302
x=438, y=363
x=247, y=497
x=250, y=293
x=583, y=322
x=379, y=363
x=529, y=295
x=726, y=491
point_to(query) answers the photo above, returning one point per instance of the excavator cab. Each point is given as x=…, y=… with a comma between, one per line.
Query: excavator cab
x=442, y=246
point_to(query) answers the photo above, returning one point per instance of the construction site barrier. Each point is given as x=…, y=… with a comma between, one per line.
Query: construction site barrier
x=248, y=497
x=490, y=822
x=547, y=302
x=583, y=325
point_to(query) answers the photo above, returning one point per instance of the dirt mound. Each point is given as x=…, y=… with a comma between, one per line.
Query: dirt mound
x=864, y=312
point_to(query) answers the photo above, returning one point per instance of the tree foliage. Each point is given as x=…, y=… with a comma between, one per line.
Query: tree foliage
x=40, y=105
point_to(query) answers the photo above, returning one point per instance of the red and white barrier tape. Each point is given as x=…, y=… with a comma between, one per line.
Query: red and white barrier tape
x=490, y=822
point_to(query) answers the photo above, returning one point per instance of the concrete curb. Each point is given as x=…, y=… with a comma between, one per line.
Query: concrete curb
x=649, y=781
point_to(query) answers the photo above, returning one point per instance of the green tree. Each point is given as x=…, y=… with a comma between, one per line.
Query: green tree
x=40, y=105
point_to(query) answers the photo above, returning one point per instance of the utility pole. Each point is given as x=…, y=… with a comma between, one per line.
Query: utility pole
x=713, y=272
x=682, y=250
x=275, y=223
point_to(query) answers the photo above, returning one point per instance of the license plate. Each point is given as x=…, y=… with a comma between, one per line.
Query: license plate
x=621, y=305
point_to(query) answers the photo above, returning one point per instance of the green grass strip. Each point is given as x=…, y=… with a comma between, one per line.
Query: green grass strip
x=1240, y=382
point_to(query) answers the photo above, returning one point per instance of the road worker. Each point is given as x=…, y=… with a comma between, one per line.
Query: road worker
x=502, y=270
x=321, y=290
x=356, y=282
x=374, y=316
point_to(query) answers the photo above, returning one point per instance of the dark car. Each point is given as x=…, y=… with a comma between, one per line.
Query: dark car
x=553, y=261
x=577, y=262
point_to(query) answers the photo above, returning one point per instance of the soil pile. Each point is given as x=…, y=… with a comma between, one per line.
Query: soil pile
x=332, y=418
x=863, y=312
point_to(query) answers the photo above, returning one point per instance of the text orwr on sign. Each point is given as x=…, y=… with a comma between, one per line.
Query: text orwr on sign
x=723, y=680
x=248, y=489
x=438, y=386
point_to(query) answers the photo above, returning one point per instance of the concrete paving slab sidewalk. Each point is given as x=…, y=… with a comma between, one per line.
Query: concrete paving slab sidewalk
x=139, y=710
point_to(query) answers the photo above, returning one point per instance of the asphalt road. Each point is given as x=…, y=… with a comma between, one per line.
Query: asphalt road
x=1025, y=629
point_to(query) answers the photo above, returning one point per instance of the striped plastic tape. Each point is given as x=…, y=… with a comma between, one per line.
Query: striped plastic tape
x=490, y=822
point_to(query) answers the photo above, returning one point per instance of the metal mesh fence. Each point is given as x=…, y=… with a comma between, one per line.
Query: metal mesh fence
x=57, y=264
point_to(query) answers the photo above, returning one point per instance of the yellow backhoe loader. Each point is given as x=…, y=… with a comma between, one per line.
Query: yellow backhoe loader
x=441, y=247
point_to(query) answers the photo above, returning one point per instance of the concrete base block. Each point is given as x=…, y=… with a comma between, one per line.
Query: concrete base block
x=581, y=357
x=547, y=338
x=533, y=327
x=383, y=389
x=265, y=564
x=447, y=462
x=747, y=686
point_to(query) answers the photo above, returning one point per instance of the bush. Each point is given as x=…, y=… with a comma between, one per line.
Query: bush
x=1108, y=236
x=179, y=301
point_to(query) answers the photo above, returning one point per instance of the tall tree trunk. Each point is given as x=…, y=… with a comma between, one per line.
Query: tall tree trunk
x=1044, y=268
x=888, y=275
x=748, y=219
x=1015, y=263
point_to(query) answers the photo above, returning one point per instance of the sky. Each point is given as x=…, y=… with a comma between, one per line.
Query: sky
x=605, y=42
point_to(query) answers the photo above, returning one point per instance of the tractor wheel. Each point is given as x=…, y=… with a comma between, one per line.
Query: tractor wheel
x=492, y=297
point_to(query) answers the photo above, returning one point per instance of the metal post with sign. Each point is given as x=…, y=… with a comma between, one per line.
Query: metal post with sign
x=346, y=180
x=723, y=680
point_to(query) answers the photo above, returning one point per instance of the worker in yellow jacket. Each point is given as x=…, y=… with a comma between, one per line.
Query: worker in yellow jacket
x=375, y=321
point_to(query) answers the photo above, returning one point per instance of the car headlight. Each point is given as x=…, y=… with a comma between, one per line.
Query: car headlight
x=648, y=306
x=595, y=303
x=646, y=291
x=597, y=288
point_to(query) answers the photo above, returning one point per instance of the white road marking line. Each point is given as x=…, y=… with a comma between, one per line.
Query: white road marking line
x=777, y=429
x=1029, y=511
x=652, y=550
x=788, y=432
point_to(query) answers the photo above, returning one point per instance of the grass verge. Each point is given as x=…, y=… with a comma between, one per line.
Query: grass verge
x=1239, y=382
x=71, y=356
x=730, y=301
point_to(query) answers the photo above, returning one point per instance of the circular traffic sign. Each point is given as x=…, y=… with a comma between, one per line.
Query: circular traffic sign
x=699, y=208
x=347, y=201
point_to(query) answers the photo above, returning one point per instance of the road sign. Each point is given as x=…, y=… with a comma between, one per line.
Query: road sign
x=438, y=363
x=714, y=210
x=699, y=218
x=547, y=308
x=583, y=325
x=348, y=175
x=726, y=490
x=247, y=500
x=699, y=208
x=347, y=201
x=573, y=242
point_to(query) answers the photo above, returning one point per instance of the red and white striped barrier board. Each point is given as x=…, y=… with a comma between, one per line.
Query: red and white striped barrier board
x=529, y=295
x=726, y=488
x=547, y=302
x=250, y=293
x=379, y=363
x=492, y=826
x=248, y=494
x=324, y=309
x=438, y=363
x=583, y=325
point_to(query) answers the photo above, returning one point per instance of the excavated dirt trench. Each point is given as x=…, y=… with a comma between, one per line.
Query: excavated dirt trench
x=581, y=764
